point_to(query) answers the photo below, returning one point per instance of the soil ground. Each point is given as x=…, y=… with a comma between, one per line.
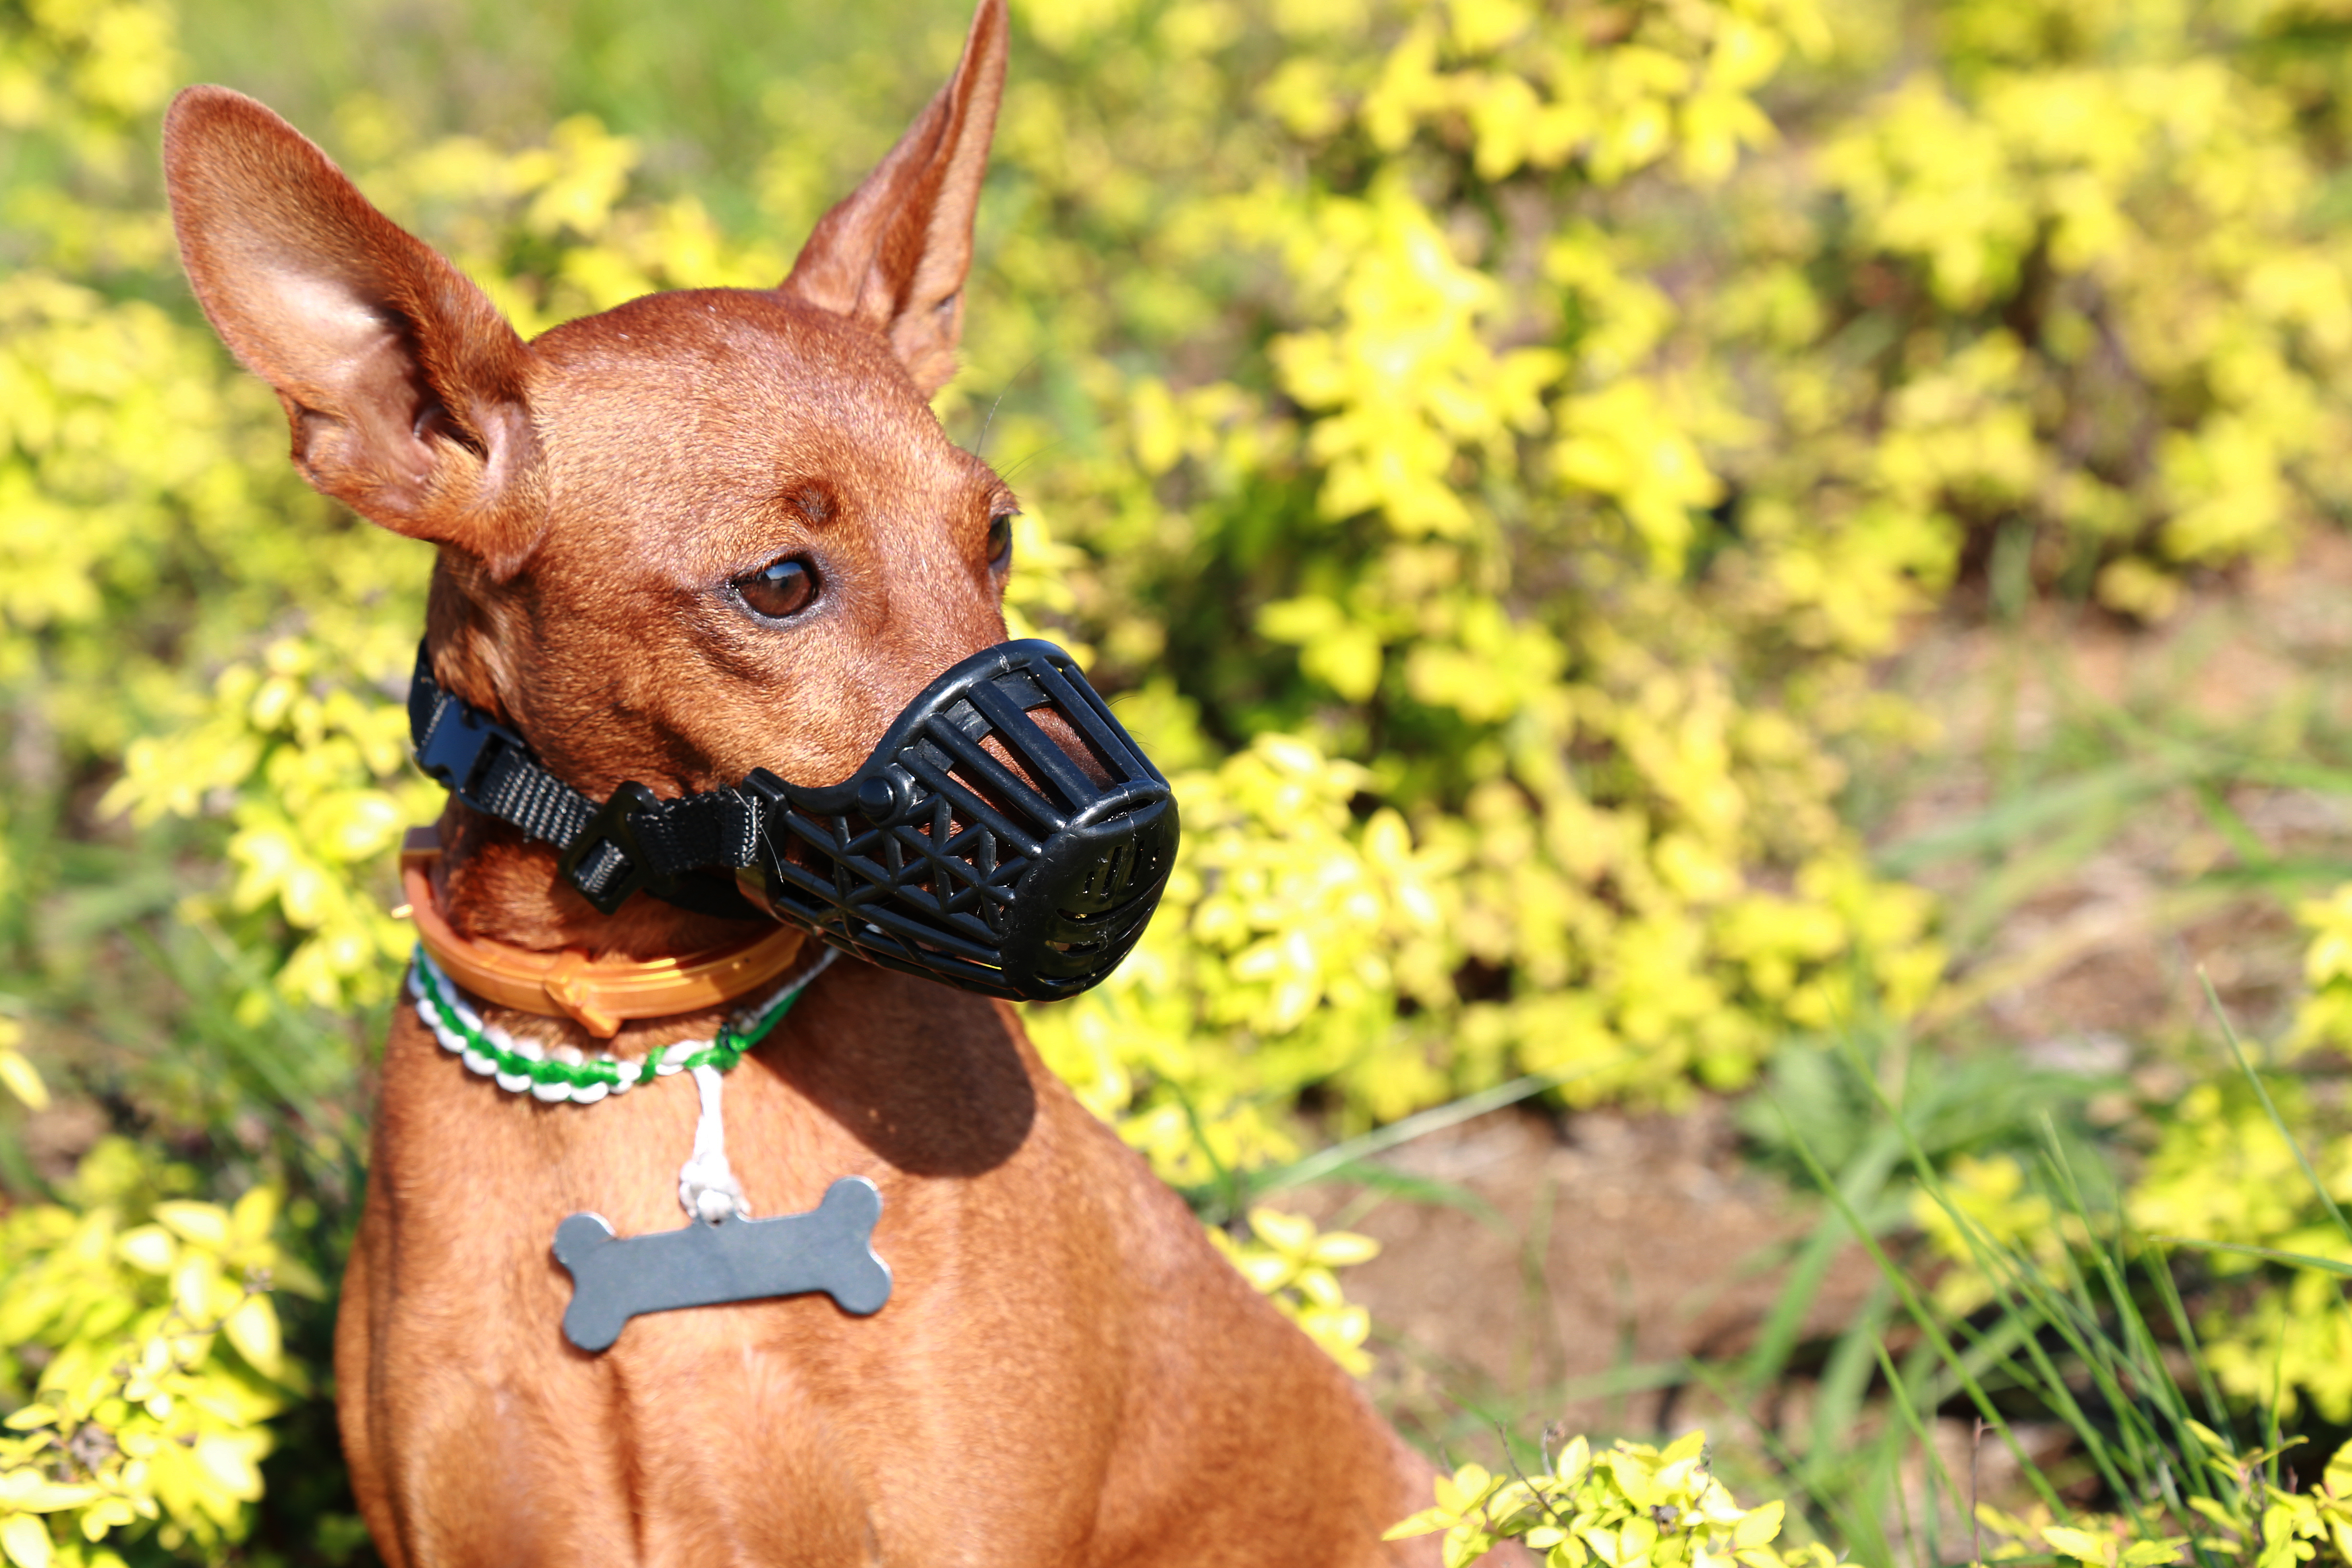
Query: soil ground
x=1618, y=1241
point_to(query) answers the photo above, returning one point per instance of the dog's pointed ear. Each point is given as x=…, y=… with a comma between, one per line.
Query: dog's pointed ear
x=405, y=388
x=894, y=255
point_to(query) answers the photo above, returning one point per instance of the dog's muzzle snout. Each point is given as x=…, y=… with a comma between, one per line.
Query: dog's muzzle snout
x=973, y=847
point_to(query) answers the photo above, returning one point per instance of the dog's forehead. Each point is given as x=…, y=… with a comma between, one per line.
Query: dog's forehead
x=731, y=386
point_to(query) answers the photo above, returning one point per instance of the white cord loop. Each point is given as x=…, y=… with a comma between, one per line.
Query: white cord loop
x=707, y=1187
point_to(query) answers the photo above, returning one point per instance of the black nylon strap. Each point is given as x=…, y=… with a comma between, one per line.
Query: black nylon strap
x=717, y=827
x=516, y=789
x=633, y=841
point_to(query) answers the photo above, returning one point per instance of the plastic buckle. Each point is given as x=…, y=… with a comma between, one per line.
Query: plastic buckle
x=605, y=863
x=460, y=746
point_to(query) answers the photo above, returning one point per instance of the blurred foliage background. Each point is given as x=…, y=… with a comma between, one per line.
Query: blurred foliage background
x=1490, y=450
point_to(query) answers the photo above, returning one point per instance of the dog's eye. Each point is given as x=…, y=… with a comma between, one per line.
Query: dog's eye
x=780, y=589
x=999, y=541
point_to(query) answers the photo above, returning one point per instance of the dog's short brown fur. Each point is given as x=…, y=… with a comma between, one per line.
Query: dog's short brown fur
x=1066, y=1374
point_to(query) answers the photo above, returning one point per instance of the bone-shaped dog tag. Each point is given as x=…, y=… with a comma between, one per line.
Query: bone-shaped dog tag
x=829, y=1248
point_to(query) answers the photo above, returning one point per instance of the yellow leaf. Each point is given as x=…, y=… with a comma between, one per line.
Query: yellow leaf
x=1264, y=1273
x=1634, y=1541
x=1463, y=1545
x=253, y=1328
x=107, y=1513
x=2079, y=1544
x=1759, y=1525
x=30, y=1491
x=229, y=1462
x=1422, y=1523
x=255, y=1214
x=206, y=1225
x=1288, y=1233
x=2337, y=1478
x=25, y=1540
x=1318, y=1287
x=22, y=1079
x=149, y=1246
x=1342, y=1249
x=1464, y=1489
x=192, y=1286
x=1637, y=1477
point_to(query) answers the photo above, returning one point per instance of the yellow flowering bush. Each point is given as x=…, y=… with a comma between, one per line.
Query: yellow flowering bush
x=140, y=1354
x=1621, y=1507
x=1634, y=1505
x=1459, y=501
x=2247, y=1518
x=2325, y=1018
x=2085, y=296
x=1465, y=501
x=317, y=766
x=2222, y=1171
x=1289, y=1261
x=1290, y=933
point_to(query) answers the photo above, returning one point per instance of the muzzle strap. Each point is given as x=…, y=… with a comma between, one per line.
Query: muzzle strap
x=488, y=766
x=517, y=790
x=635, y=842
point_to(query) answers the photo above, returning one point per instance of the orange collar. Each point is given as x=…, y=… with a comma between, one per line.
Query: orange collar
x=598, y=994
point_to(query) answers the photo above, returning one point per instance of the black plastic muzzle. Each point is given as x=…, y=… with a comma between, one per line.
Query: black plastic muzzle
x=973, y=846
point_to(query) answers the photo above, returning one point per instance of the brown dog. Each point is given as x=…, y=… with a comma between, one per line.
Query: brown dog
x=1067, y=1372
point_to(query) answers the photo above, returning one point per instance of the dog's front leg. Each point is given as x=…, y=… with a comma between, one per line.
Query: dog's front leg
x=357, y=1376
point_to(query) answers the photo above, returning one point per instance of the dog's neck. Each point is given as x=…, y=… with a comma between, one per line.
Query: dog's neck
x=494, y=882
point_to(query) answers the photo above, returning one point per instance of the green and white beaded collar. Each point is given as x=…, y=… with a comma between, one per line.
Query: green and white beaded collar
x=565, y=1073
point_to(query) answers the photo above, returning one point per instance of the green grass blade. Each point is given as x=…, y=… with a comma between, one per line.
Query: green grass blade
x=1320, y=1165
x=2271, y=1253
x=1933, y=1466
x=2019, y=816
x=2073, y=1320
x=2230, y=1033
x=1928, y=1326
x=1224, y=1199
x=1845, y=1378
x=2138, y=1361
x=1861, y=1181
x=1844, y=1384
x=2217, y=1412
x=2243, y=842
x=1393, y=1183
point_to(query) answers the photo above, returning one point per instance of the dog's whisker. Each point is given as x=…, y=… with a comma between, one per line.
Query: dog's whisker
x=1007, y=475
x=980, y=447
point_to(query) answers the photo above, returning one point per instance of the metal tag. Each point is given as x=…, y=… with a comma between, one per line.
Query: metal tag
x=829, y=1248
